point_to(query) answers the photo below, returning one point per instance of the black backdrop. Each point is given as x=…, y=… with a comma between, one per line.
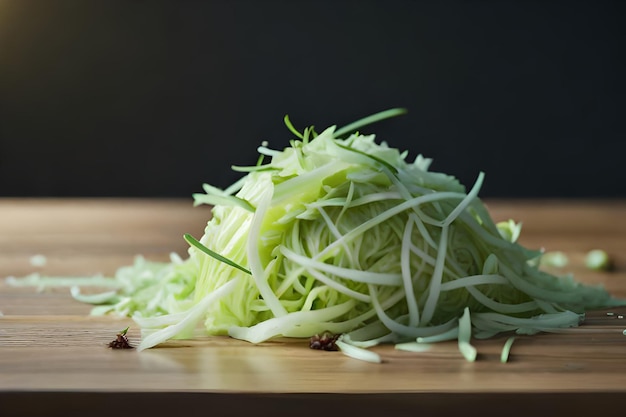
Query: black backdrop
x=153, y=98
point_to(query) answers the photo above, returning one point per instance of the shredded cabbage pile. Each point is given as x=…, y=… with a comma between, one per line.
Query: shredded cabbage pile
x=339, y=233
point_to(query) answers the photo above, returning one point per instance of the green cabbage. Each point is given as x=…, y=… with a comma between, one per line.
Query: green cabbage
x=339, y=233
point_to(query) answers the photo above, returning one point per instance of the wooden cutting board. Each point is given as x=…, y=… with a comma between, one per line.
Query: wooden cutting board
x=54, y=358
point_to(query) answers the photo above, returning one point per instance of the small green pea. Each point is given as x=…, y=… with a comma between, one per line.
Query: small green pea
x=597, y=259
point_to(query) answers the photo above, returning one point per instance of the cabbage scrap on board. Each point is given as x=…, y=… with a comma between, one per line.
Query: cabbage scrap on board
x=339, y=233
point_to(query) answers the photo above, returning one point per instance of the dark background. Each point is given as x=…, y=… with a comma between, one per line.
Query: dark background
x=153, y=98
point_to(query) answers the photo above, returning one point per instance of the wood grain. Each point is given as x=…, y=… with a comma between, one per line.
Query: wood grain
x=53, y=351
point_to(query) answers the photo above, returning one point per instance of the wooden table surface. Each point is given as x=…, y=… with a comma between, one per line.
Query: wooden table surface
x=54, y=358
